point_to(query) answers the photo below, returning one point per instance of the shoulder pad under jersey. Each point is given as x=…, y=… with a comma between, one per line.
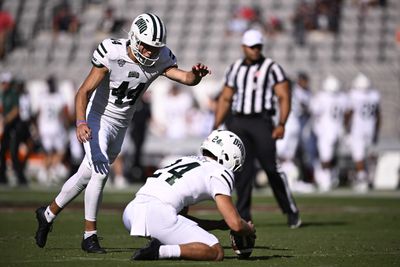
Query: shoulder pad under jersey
x=108, y=49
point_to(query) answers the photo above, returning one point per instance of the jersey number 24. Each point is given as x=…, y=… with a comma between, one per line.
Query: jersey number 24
x=177, y=171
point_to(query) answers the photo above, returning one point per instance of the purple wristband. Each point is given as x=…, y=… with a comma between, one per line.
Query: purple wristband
x=80, y=122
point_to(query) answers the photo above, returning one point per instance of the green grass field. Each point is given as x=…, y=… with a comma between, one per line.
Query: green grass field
x=338, y=230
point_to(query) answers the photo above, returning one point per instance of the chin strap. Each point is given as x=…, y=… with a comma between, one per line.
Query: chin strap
x=135, y=51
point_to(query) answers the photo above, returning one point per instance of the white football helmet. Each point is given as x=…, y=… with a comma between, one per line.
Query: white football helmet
x=226, y=147
x=331, y=84
x=361, y=82
x=149, y=29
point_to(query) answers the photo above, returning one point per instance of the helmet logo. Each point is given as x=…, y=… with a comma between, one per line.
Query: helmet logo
x=239, y=145
x=141, y=25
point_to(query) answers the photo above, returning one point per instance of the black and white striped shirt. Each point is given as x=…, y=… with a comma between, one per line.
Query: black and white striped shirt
x=253, y=85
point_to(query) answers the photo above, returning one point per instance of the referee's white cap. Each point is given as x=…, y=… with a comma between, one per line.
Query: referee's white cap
x=252, y=37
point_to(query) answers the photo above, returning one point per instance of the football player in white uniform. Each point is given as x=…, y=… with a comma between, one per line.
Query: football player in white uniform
x=365, y=122
x=156, y=211
x=287, y=146
x=103, y=114
x=328, y=108
x=52, y=119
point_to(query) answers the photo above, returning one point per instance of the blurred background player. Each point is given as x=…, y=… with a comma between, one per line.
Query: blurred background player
x=103, y=112
x=26, y=132
x=52, y=121
x=328, y=109
x=176, y=110
x=158, y=210
x=287, y=146
x=9, y=141
x=364, y=128
x=307, y=151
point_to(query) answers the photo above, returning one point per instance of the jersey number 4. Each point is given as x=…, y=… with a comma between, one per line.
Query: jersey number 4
x=132, y=95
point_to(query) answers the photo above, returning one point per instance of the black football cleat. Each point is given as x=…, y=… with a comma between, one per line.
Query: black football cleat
x=294, y=220
x=149, y=252
x=91, y=245
x=44, y=227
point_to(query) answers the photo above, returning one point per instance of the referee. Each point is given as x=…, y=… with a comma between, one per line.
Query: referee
x=250, y=86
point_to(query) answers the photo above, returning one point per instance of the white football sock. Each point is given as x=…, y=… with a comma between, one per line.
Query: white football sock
x=169, y=251
x=323, y=178
x=49, y=215
x=89, y=234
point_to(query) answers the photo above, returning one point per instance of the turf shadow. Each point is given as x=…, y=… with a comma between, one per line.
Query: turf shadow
x=256, y=258
x=322, y=224
x=62, y=248
x=271, y=248
x=118, y=250
x=262, y=247
x=309, y=224
x=109, y=250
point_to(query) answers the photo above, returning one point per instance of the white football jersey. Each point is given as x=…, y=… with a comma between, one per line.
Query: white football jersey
x=188, y=181
x=286, y=147
x=25, y=107
x=128, y=80
x=364, y=105
x=50, y=111
x=328, y=111
x=300, y=99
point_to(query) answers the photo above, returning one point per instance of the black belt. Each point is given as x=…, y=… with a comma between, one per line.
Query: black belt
x=264, y=114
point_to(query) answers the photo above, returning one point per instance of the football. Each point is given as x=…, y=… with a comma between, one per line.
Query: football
x=242, y=245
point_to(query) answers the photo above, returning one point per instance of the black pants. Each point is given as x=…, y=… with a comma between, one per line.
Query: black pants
x=10, y=141
x=256, y=134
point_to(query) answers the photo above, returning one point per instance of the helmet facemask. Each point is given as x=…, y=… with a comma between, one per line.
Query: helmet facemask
x=233, y=165
x=134, y=45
